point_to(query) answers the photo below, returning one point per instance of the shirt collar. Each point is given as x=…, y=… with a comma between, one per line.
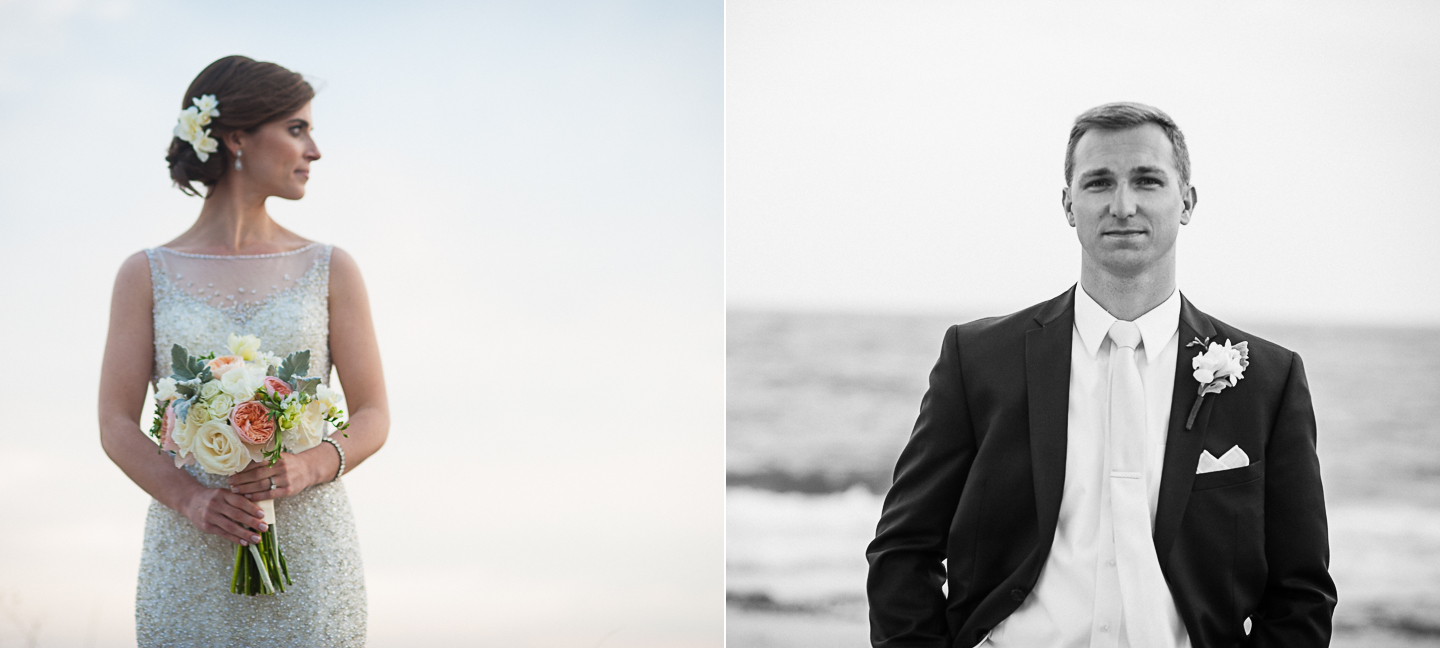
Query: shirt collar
x=1093, y=322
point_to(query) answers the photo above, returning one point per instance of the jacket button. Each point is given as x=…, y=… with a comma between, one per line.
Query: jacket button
x=1017, y=594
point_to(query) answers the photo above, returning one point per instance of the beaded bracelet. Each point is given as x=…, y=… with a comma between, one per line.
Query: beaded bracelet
x=341, y=470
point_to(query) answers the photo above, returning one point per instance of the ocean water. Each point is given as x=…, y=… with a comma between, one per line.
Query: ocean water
x=820, y=405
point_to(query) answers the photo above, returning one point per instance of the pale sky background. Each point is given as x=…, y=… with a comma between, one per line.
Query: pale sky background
x=908, y=156
x=533, y=191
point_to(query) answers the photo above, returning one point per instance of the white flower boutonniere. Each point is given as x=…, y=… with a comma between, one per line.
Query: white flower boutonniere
x=1217, y=367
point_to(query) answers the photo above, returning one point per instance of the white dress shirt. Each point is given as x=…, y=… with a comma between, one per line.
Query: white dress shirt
x=1076, y=602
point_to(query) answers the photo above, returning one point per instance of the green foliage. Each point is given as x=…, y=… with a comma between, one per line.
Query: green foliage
x=155, y=428
x=182, y=407
x=306, y=385
x=180, y=364
x=187, y=367
x=260, y=569
x=333, y=417
x=294, y=365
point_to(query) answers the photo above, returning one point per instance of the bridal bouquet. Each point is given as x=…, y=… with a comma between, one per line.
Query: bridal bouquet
x=227, y=411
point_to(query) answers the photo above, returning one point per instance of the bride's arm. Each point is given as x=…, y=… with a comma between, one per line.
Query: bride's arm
x=123, y=376
x=356, y=355
x=357, y=359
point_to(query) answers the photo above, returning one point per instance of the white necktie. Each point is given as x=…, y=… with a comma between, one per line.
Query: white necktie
x=1136, y=562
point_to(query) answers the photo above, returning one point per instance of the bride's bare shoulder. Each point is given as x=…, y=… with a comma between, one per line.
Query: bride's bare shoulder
x=344, y=271
x=347, y=286
x=132, y=281
x=134, y=267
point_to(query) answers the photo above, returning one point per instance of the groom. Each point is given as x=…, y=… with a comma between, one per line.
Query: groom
x=1067, y=479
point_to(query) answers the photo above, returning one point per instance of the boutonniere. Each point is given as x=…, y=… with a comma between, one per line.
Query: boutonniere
x=1217, y=366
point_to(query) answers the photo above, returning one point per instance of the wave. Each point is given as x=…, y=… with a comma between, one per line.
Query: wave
x=815, y=482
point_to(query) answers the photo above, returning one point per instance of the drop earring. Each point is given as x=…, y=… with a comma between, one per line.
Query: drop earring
x=238, y=153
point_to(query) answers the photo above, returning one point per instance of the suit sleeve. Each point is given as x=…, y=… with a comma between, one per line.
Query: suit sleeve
x=907, y=606
x=1299, y=594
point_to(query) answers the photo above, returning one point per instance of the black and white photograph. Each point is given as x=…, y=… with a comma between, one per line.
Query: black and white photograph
x=1082, y=324
x=746, y=323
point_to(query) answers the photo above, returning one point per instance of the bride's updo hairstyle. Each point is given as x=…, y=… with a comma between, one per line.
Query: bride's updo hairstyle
x=249, y=94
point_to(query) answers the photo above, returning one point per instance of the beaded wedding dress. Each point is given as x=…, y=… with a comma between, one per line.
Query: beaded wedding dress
x=183, y=596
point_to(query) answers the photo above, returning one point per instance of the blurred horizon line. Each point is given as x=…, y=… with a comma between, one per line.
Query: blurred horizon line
x=1417, y=322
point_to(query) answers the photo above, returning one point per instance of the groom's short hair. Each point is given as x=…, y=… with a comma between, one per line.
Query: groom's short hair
x=1127, y=114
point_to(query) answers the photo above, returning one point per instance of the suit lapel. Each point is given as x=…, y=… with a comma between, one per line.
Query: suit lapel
x=1047, y=383
x=1182, y=446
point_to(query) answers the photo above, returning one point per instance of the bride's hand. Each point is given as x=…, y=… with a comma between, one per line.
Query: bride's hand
x=230, y=516
x=254, y=483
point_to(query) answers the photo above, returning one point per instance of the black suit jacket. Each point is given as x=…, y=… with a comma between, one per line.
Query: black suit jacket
x=979, y=485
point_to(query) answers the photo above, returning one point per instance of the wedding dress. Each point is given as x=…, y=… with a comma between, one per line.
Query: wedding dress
x=183, y=596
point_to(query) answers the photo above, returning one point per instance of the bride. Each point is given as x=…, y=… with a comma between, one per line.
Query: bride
x=238, y=271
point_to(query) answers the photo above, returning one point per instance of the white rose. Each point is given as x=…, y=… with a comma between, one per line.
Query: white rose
x=1207, y=364
x=1236, y=360
x=240, y=383
x=1221, y=362
x=245, y=346
x=209, y=389
x=197, y=414
x=265, y=360
x=220, y=406
x=308, y=430
x=184, y=433
x=219, y=450
x=255, y=373
x=165, y=390
x=324, y=394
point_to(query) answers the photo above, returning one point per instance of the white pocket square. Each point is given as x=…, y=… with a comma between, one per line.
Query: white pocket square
x=1235, y=458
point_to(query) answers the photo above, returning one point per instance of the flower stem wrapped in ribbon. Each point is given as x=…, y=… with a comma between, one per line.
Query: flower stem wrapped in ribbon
x=224, y=412
x=1217, y=367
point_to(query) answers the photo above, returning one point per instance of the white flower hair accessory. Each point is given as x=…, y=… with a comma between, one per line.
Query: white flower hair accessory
x=1216, y=368
x=192, y=122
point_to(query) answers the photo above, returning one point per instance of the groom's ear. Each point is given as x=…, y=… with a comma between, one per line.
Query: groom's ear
x=1065, y=204
x=1190, y=198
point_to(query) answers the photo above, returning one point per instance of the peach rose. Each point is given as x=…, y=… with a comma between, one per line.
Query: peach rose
x=252, y=422
x=166, y=427
x=223, y=364
x=275, y=385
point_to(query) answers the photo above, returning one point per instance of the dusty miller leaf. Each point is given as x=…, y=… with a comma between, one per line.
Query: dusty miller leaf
x=188, y=367
x=307, y=385
x=180, y=363
x=295, y=365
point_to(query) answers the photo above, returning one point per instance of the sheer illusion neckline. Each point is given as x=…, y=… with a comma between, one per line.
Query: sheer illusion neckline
x=200, y=284
x=271, y=255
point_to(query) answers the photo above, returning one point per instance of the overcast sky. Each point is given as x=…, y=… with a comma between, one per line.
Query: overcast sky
x=533, y=192
x=908, y=156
